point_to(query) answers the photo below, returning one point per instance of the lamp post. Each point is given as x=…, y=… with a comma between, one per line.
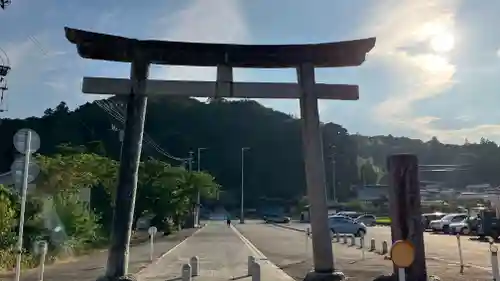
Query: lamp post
x=198, y=199
x=190, y=167
x=242, y=212
x=334, y=176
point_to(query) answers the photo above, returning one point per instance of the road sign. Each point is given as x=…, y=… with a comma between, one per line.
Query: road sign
x=40, y=247
x=17, y=170
x=20, y=140
x=402, y=253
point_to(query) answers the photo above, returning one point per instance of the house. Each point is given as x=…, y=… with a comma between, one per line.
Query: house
x=372, y=192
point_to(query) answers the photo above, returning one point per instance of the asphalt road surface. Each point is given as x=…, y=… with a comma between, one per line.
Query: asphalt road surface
x=287, y=249
x=437, y=246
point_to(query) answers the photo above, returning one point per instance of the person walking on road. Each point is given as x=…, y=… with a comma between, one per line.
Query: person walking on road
x=228, y=220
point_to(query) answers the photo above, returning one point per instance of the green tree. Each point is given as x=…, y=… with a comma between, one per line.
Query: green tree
x=7, y=222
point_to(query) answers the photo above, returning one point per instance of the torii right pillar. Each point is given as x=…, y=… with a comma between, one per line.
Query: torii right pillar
x=315, y=178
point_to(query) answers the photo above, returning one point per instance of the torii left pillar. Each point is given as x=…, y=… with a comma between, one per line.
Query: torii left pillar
x=123, y=214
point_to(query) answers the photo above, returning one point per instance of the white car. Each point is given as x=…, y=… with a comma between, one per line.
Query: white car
x=444, y=223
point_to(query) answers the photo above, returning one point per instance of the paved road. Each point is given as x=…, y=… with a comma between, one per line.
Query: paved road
x=437, y=246
x=223, y=255
x=286, y=248
x=90, y=267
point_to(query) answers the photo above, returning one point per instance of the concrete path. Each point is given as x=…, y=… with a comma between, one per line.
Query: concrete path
x=223, y=255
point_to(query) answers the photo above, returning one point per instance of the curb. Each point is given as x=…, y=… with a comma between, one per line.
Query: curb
x=287, y=227
x=155, y=261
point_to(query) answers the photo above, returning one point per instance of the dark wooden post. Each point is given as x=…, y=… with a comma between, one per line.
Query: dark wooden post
x=405, y=210
x=123, y=214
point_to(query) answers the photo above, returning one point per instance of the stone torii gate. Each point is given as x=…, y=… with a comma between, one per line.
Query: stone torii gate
x=142, y=53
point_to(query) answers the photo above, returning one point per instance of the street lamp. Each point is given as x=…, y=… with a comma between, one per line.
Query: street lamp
x=190, y=159
x=242, y=213
x=334, y=179
x=198, y=198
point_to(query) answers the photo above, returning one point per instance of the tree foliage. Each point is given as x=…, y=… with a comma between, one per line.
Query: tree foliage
x=57, y=210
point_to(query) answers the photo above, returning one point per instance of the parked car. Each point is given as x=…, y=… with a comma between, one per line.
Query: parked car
x=428, y=217
x=276, y=219
x=444, y=223
x=343, y=225
x=465, y=227
x=367, y=219
x=350, y=214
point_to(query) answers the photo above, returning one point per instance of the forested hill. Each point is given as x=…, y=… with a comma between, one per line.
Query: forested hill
x=273, y=165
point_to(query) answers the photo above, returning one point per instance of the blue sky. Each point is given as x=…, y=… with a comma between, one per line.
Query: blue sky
x=432, y=72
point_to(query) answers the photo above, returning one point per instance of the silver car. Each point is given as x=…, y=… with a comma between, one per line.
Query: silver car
x=343, y=225
x=444, y=223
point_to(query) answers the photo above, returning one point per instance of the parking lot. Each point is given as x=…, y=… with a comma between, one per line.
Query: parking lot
x=437, y=246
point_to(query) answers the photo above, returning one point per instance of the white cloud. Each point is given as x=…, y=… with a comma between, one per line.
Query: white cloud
x=403, y=30
x=215, y=21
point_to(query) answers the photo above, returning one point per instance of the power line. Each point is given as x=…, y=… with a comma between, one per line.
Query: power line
x=118, y=114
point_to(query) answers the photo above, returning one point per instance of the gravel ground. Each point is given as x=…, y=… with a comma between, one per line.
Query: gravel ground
x=287, y=249
x=88, y=268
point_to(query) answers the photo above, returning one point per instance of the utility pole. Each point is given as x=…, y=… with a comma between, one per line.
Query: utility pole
x=334, y=179
x=242, y=210
x=198, y=199
x=121, y=137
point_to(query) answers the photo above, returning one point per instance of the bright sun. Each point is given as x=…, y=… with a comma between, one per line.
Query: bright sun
x=442, y=43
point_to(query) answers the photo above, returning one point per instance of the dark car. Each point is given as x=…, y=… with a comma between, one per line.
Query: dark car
x=276, y=219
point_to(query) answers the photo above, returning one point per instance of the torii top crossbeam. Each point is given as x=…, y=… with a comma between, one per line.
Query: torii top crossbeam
x=100, y=46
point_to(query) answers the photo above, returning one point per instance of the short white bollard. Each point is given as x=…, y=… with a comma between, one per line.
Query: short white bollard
x=372, y=245
x=353, y=240
x=186, y=272
x=256, y=271
x=250, y=262
x=494, y=261
x=459, y=244
x=385, y=249
x=152, y=232
x=42, y=247
x=195, y=266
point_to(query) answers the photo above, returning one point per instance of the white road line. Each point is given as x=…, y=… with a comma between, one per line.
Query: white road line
x=260, y=256
x=169, y=251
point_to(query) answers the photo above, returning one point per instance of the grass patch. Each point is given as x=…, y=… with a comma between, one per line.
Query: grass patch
x=383, y=220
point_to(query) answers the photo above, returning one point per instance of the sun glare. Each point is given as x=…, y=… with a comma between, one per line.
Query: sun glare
x=442, y=43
